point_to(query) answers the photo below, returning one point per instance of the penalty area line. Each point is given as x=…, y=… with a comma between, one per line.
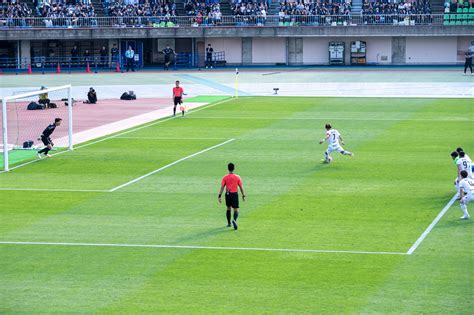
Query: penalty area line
x=431, y=226
x=159, y=121
x=257, y=249
x=169, y=165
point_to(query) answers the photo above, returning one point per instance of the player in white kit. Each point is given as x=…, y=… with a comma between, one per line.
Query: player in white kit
x=464, y=163
x=333, y=137
x=466, y=190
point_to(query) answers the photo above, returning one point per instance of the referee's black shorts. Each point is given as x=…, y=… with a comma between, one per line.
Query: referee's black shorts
x=178, y=100
x=46, y=140
x=232, y=200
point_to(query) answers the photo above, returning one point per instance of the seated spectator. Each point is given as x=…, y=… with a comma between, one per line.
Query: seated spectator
x=143, y=12
x=250, y=12
x=206, y=12
x=91, y=96
x=11, y=11
x=44, y=98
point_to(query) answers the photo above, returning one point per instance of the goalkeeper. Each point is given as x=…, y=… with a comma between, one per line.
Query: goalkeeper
x=46, y=138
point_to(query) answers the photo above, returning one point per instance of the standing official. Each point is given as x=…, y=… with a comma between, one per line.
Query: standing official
x=231, y=182
x=103, y=56
x=114, y=52
x=468, y=62
x=209, y=53
x=130, y=57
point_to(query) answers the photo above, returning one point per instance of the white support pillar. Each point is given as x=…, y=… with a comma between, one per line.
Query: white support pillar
x=5, y=135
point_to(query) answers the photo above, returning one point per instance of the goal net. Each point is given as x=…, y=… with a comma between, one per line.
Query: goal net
x=25, y=115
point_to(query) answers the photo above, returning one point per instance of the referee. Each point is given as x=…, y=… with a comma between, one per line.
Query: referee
x=231, y=182
x=177, y=97
x=46, y=138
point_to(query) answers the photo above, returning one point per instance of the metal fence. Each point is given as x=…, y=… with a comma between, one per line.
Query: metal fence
x=99, y=63
x=236, y=21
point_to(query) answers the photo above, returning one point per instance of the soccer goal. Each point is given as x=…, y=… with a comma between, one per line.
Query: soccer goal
x=25, y=114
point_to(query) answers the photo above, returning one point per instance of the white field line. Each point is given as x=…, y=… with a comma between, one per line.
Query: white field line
x=334, y=118
x=431, y=226
x=168, y=138
x=123, y=133
x=205, y=247
x=169, y=165
x=53, y=190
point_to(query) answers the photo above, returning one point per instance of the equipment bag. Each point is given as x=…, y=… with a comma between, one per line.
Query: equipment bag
x=27, y=144
x=34, y=106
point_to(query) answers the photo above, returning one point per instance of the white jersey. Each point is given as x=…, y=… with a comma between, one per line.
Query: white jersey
x=333, y=138
x=465, y=164
x=467, y=185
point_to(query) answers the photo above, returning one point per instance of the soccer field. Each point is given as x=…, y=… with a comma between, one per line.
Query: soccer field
x=132, y=223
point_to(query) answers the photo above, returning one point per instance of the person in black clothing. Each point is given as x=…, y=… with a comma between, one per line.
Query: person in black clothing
x=468, y=62
x=209, y=52
x=114, y=52
x=168, y=52
x=74, y=55
x=46, y=138
x=91, y=96
x=87, y=56
x=103, y=56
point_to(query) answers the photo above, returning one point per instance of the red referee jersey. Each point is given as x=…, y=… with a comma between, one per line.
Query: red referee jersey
x=231, y=182
x=177, y=91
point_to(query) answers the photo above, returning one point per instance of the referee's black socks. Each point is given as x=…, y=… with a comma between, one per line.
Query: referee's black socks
x=236, y=215
x=227, y=214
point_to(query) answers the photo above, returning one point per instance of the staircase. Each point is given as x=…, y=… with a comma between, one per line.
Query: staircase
x=226, y=8
x=437, y=6
x=180, y=7
x=98, y=8
x=273, y=8
x=356, y=7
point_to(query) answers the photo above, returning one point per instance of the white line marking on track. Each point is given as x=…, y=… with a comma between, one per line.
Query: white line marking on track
x=171, y=164
x=431, y=226
x=123, y=133
x=205, y=247
x=53, y=190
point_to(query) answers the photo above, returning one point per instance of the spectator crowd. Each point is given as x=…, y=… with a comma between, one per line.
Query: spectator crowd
x=396, y=7
x=204, y=12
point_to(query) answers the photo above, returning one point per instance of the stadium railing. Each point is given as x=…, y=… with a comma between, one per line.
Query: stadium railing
x=238, y=21
x=96, y=63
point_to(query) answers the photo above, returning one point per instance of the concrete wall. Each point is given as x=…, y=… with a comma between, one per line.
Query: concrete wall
x=432, y=50
x=231, y=46
x=463, y=45
x=315, y=50
x=268, y=50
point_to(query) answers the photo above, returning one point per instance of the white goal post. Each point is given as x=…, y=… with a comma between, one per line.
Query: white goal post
x=20, y=124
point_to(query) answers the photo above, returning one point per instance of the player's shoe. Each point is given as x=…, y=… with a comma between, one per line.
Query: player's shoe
x=40, y=156
x=234, y=223
x=465, y=217
x=228, y=224
x=48, y=155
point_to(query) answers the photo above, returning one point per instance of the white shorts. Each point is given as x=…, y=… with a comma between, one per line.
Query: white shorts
x=467, y=199
x=333, y=148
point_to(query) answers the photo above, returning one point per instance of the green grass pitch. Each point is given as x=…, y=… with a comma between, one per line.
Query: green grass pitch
x=381, y=200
